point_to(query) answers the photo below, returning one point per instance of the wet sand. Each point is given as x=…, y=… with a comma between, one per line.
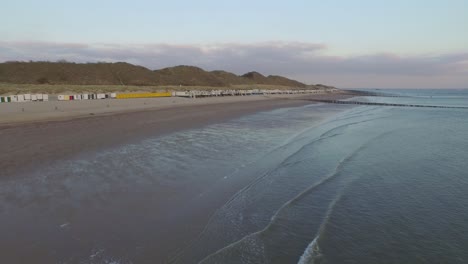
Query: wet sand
x=32, y=144
x=15, y=113
x=35, y=142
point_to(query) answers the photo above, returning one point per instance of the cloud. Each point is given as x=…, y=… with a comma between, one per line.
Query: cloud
x=305, y=61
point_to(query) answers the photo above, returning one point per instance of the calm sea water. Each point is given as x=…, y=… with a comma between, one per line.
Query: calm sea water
x=313, y=184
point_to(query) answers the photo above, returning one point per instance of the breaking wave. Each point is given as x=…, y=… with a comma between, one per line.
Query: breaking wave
x=257, y=239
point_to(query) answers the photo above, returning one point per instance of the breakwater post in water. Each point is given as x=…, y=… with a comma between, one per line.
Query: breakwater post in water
x=383, y=104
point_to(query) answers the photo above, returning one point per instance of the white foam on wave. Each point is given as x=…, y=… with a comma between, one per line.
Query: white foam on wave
x=311, y=253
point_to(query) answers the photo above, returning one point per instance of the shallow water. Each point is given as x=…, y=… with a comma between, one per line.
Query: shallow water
x=375, y=185
x=313, y=184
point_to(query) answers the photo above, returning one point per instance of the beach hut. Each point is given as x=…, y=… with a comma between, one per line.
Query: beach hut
x=113, y=95
x=5, y=99
x=182, y=94
x=33, y=97
x=39, y=97
x=45, y=97
x=27, y=97
x=21, y=98
x=84, y=96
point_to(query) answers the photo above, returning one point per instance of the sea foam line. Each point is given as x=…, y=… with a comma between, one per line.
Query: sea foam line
x=323, y=136
x=336, y=172
x=311, y=253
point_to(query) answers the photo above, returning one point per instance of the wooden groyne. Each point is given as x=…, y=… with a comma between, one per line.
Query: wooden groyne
x=383, y=104
x=374, y=93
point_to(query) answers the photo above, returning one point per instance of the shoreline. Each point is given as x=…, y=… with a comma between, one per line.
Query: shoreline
x=28, y=144
x=33, y=112
x=35, y=145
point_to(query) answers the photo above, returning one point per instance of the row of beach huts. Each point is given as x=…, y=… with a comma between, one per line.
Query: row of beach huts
x=208, y=93
x=86, y=96
x=187, y=94
x=24, y=98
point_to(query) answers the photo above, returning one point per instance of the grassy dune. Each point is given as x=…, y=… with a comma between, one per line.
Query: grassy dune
x=64, y=77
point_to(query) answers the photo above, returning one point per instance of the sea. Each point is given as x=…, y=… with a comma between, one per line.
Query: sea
x=320, y=183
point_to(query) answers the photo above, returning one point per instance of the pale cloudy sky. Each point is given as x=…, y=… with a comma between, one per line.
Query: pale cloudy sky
x=367, y=43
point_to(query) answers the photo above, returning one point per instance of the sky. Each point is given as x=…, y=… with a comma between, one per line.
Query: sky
x=349, y=44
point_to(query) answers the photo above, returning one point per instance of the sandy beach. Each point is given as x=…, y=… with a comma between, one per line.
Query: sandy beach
x=39, y=138
x=15, y=113
x=37, y=133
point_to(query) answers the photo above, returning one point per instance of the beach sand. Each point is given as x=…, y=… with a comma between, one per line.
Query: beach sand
x=40, y=138
x=41, y=134
x=14, y=113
